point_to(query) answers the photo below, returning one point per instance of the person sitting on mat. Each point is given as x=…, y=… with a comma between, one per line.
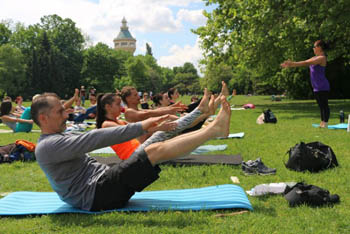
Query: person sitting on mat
x=161, y=100
x=10, y=119
x=108, y=111
x=81, y=181
x=173, y=95
x=19, y=101
x=131, y=98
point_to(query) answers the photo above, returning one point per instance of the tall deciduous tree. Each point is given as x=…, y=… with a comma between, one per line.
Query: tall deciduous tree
x=67, y=44
x=258, y=35
x=5, y=33
x=102, y=65
x=12, y=70
x=186, y=79
x=148, y=50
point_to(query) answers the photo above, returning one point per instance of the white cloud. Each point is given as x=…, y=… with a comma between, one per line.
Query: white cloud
x=101, y=21
x=180, y=55
x=196, y=17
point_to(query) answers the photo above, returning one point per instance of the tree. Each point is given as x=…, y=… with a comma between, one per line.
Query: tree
x=138, y=73
x=215, y=73
x=67, y=46
x=186, y=79
x=257, y=36
x=102, y=65
x=5, y=33
x=12, y=70
x=148, y=50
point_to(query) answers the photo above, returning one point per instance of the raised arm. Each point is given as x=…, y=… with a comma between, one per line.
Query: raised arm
x=321, y=60
x=132, y=115
x=70, y=102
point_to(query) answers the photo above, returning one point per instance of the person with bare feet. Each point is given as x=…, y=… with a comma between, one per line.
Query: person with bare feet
x=317, y=65
x=81, y=181
x=108, y=111
x=133, y=114
x=213, y=104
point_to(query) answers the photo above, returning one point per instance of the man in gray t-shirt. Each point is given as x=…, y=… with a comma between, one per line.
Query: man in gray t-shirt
x=81, y=181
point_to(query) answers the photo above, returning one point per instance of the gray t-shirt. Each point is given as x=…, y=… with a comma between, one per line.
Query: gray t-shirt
x=71, y=172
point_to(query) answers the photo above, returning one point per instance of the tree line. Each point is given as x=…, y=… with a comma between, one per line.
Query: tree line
x=244, y=42
x=55, y=56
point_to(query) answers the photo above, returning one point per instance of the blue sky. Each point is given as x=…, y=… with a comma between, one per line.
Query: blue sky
x=164, y=24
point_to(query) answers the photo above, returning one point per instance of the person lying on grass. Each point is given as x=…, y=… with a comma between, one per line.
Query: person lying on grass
x=108, y=111
x=81, y=181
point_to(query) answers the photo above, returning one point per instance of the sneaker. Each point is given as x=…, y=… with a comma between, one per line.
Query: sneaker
x=264, y=170
x=249, y=169
x=257, y=167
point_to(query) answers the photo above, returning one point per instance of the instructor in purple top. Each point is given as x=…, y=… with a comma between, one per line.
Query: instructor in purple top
x=319, y=82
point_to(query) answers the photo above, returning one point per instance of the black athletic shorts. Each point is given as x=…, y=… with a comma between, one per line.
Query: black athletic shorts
x=120, y=182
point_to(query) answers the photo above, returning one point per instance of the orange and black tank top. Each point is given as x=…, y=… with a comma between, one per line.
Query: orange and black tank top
x=124, y=150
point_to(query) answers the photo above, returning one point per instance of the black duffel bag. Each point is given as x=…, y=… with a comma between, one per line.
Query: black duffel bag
x=314, y=157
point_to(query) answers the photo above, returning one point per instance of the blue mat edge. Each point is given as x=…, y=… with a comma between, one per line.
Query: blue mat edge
x=66, y=208
x=334, y=127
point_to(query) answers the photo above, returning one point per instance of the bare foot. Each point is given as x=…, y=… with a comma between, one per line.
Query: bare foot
x=221, y=125
x=322, y=124
x=211, y=105
x=224, y=89
x=217, y=101
x=204, y=104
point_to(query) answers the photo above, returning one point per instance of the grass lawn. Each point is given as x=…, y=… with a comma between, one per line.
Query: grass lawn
x=271, y=213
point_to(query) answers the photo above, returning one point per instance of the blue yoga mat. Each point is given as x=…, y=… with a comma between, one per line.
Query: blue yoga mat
x=225, y=196
x=337, y=126
x=200, y=150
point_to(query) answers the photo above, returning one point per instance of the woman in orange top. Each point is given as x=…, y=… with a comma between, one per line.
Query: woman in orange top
x=108, y=111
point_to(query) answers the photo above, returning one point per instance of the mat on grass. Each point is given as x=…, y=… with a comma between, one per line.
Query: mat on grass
x=188, y=160
x=233, y=135
x=200, y=150
x=336, y=126
x=225, y=196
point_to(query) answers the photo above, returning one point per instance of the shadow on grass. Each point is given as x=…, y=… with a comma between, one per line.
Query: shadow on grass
x=258, y=208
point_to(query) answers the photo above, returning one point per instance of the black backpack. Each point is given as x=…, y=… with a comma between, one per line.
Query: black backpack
x=314, y=157
x=269, y=117
x=311, y=195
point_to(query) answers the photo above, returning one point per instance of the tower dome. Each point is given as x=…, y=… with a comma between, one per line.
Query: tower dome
x=124, y=40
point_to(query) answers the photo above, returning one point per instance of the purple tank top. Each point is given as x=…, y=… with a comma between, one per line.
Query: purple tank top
x=319, y=81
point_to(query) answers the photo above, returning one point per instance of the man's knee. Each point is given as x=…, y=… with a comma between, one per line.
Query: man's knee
x=155, y=152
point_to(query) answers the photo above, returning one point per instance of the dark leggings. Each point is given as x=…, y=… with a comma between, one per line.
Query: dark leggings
x=322, y=101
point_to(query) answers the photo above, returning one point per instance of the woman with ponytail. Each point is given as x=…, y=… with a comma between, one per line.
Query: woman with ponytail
x=108, y=111
x=319, y=82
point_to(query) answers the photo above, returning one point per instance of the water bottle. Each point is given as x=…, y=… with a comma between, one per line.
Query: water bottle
x=341, y=116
